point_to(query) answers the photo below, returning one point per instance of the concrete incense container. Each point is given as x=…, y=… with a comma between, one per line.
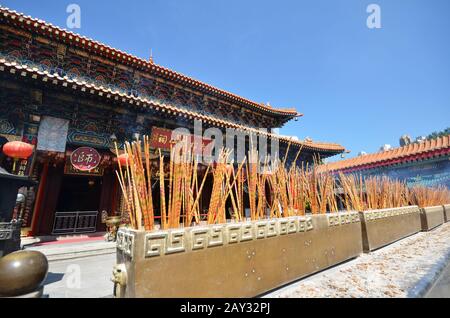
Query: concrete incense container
x=234, y=259
x=447, y=212
x=431, y=217
x=383, y=227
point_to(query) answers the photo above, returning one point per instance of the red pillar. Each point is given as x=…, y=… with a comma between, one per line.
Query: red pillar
x=39, y=200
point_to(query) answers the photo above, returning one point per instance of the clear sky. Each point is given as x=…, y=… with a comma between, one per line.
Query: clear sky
x=356, y=86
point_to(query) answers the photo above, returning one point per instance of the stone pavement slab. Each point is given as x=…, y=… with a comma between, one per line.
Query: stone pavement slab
x=64, y=251
x=87, y=277
x=441, y=289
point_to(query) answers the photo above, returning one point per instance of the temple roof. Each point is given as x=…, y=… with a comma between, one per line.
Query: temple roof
x=19, y=20
x=412, y=152
x=28, y=72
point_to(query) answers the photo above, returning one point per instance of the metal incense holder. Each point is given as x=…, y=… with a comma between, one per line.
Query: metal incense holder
x=431, y=217
x=383, y=227
x=232, y=260
x=447, y=212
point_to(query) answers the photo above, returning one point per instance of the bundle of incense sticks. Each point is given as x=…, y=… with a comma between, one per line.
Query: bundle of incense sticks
x=276, y=210
x=425, y=197
x=253, y=181
x=221, y=189
x=353, y=192
x=271, y=187
x=296, y=186
x=285, y=187
x=185, y=187
x=331, y=194
x=311, y=189
x=382, y=193
x=296, y=191
x=319, y=191
x=236, y=191
x=376, y=192
x=239, y=194
x=136, y=185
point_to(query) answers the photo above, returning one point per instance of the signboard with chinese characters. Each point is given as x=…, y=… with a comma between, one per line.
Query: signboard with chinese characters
x=85, y=159
x=69, y=169
x=164, y=139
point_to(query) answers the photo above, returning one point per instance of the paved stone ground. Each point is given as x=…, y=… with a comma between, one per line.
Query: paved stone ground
x=393, y=271
x=87, y=277
x=441, y=288
x=65, y=251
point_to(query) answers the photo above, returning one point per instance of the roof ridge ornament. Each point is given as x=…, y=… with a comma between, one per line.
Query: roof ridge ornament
x=151, y=57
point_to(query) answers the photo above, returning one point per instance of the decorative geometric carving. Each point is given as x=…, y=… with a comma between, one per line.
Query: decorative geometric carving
x=5, y=235
x=387, y=213
x=292, y=226
x=302, y=225
x=343, y=218
x=333, y=220
x=283, y=226
x=155, y=244
x=272, y=228
x=309, y=224
x=216, y=237
x=233, y=233
x=261, y=230
x=6, y=127
x=176, y=242
x=246, y=232
x=125, y=242
x=199, y=238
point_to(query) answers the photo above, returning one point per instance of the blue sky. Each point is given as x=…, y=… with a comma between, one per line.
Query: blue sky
x=356, y=86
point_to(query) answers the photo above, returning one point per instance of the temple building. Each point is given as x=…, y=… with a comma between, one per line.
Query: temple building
x=422, y=163
x=73, y=98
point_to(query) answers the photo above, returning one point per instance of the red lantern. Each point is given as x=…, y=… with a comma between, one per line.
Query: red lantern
x=230, y=169
x=123, y=160
x=18, y=150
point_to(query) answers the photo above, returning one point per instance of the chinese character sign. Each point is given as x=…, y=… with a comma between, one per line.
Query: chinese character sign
x=85, y=159
x=163, y=139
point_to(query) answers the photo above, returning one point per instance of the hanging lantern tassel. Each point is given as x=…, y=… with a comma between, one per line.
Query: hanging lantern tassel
x=18, y=150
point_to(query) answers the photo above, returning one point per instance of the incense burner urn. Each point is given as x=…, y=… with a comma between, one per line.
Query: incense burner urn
x=112, y=224
x=22, y=274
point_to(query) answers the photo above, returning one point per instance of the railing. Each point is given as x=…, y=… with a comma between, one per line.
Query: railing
x=75, y=222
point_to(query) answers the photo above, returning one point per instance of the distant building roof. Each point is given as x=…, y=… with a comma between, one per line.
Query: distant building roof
x=412, y=152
